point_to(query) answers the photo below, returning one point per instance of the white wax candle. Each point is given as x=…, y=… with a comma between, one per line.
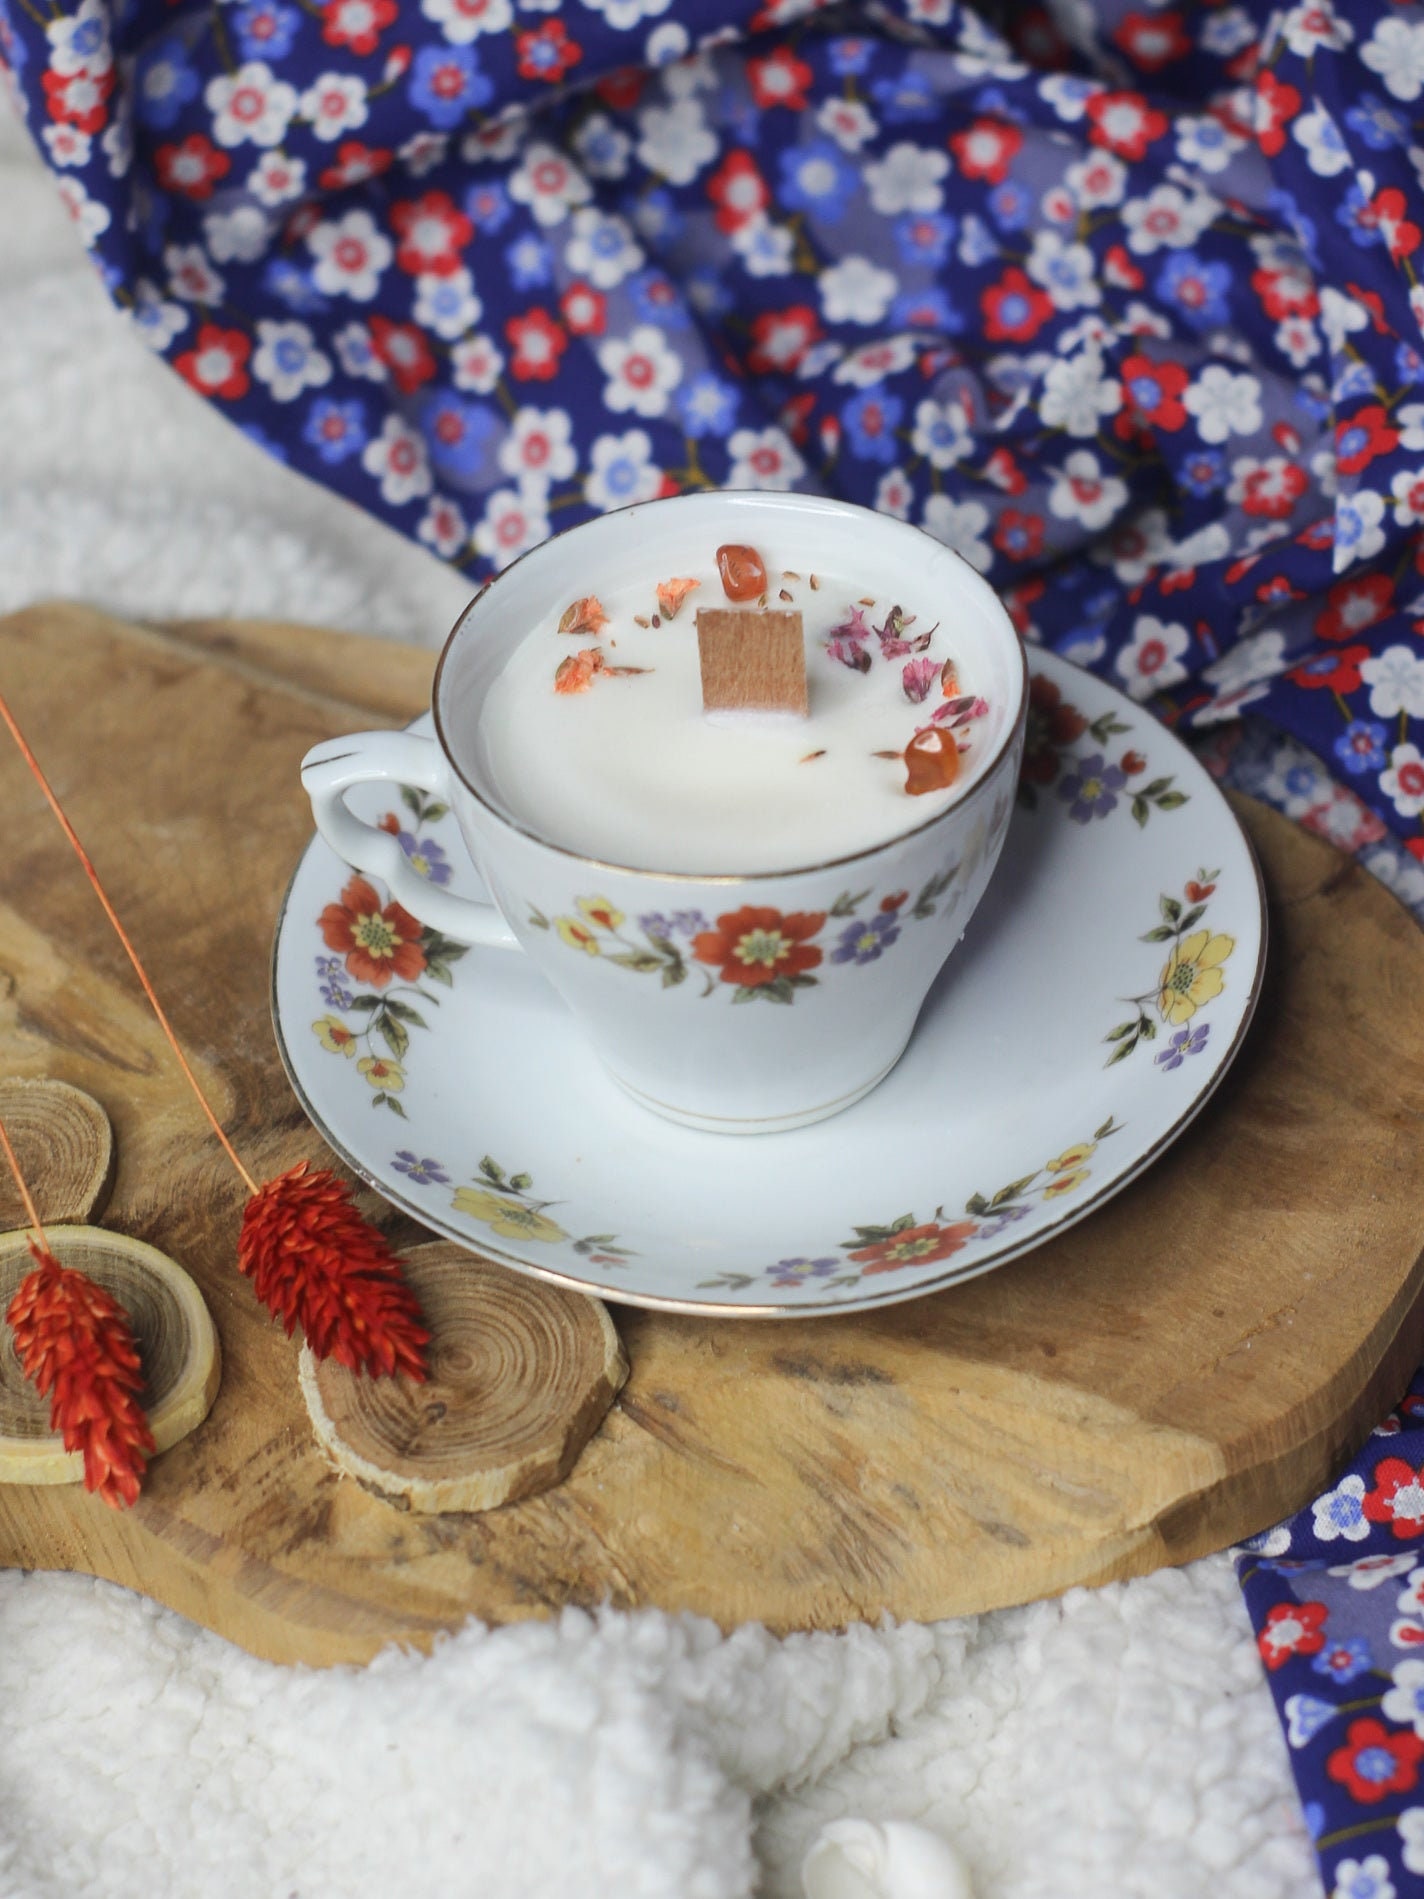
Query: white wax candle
x=633, y=772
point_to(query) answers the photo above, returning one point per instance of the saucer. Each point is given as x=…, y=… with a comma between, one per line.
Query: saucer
x=1100, y=992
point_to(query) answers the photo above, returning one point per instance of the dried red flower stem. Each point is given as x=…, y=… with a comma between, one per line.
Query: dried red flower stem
x=122, y=934
x=76, y=1346
x=313, y=1259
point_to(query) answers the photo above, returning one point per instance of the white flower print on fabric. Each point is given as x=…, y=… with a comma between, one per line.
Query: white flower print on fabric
x=941, y=433
x=1340, y=1512
x=641, y=372
x=1224, y=403
x=622, y=471
x=1153, y=657
x=550, y=184
x=602, y=249
x=1396, y=52
x=763, y=458
x=397, y=458
x=514, y=520
x=676, y=140
x=443, y=528
x=351, y=254
x=539, y=446
x=1077, y=394
x=960, y=525
x=462, y=21
x=288, y=360
x=1083, y=492
x=251, y=106
x=907, y=178
x=856, y=291
x=335, y=104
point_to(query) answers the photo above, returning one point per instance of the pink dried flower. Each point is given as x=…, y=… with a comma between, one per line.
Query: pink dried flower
x=961, y=710
x=850, y=653
x=917, y=678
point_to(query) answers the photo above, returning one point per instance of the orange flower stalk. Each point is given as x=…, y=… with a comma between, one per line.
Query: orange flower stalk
x=76, y=1347
x=314, y=1261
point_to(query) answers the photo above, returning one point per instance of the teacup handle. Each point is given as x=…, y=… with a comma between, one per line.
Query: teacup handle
x=403, y=758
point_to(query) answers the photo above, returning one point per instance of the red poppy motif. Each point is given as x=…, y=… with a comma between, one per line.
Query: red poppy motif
x=1015, y=309
x=1154, y=391
x=584, y=310
x=355, y=163
x=986, y=149
x=547, y=52
x=1124, y=123
x=538, y=343
x=378, y=940
x=1331, y=672
x=738, y=190
x=780, y=338
x=1276, y=105
x=1397, y=1499
x=779, y=80
x=404, y=351
x=1152, y=40
x=433, y=231
x=1375, y=1762
x=356, y=23
x=193, y=167
x=1362, y=437
x=754, y=946
x=216, y=364
x=1352, y=605
x=1292, y=1628
x=915, y=1246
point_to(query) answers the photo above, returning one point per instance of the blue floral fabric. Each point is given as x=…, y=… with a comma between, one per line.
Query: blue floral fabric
x=1121, y=298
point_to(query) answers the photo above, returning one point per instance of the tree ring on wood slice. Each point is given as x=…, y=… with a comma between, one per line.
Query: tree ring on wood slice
x=521, y=1375
x=65, y=1148
x=172, y=1327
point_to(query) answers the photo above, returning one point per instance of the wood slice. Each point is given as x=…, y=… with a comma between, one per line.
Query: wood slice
x=521, y=1375
x=65, y=1148
x=172, y=1330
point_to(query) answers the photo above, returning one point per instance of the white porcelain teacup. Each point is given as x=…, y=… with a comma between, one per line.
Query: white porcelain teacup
x=647, y=960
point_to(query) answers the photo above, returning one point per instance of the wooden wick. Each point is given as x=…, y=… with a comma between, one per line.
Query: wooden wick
x=751, y=661
x=122, y=934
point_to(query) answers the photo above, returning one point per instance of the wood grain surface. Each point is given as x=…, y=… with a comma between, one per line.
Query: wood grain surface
x=521, y=1376
x=65, y=1149
x=176, y=1342
x=1183, y=1368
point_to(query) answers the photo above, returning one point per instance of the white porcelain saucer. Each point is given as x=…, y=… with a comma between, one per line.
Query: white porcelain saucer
x=1100, y=993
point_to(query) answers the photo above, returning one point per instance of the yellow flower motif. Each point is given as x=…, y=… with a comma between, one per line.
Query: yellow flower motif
x=333, y=1033
x=577, y=935
x=1072, y=1157
x=509, y=1217
x=1193, y=975
x=1065, y=1183
x=382, y=1073
x=599, y=910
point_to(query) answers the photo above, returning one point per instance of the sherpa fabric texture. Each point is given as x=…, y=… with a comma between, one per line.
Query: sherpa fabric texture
x=1114, y=1744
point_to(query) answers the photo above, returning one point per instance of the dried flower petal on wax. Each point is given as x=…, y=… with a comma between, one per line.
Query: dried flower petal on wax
x=576, y=673
x=849, y=653
x=671, y=594
x=584, y=616
x=957, y=712
x=949, y=680
x=75, y=1345
x=315, y=1262
x=931, y=762
x=917, y=678
x=741, y=571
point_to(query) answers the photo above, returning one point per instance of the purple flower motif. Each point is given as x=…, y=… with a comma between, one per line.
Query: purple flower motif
x=991, y=1228
x=1185, y=1042
x=427, y=859
x=422, y=1172
x=689, y=922
x=1090, y=789
x=681, y=923
x=863, y=942
x=917, y=678
x=795, y=1272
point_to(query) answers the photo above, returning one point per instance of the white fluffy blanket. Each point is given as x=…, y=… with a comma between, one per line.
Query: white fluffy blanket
x=1117, y=1742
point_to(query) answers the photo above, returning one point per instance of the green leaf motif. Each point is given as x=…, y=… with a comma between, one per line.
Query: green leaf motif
x=1171, y=909
x=403, y=1012
x=1194, y=915
x=977, y=1205
x=492, y=1172
x=1120, y=1053
x=1140, y=808
x=643, y=961
x=1109, y=1127
x=537, y=919
x=364, y=1002
x=411, y=800
x=1162, y=934
x=846, y=905
x=673, y=974
x=434, y=812
x=1014, y=1190
x=1122, y=1029
x=393, y=1034
x=1156, y=788
x=1170, y=800
x=440, y=973
x=519, y=1182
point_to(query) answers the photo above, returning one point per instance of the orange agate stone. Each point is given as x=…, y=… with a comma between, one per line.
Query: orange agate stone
x=742, y=572
x=931, y=762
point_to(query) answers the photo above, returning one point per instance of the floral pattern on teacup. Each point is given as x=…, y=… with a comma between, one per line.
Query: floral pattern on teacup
x=1190, y=978
x=381, y=962
x=759, y=952
x=506, y=1204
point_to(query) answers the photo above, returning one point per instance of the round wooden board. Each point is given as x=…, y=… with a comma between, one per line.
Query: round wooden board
x=521, y=1375
x=1188, y=1365
x=177, y=1347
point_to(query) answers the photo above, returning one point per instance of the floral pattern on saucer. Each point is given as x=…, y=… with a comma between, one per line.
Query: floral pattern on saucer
x=1191, y=977
x=907, y=1244
x=1087, y=783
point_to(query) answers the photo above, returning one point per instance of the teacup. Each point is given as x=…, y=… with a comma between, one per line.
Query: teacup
x=649, y=961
